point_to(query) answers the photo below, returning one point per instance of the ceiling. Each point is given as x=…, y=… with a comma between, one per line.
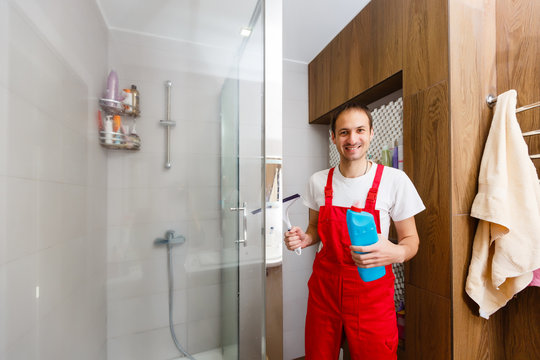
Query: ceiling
x=308, y=25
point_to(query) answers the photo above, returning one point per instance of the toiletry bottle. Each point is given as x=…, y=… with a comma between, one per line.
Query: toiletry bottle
x=108, y=129
x=386, y=158
x=363, y=232
x=135, y=100
x=128, y=101
x=100, y=122
x=134, y=139
x=395, y=162
x=400, y=153
x=117, y=124
x=112, y=87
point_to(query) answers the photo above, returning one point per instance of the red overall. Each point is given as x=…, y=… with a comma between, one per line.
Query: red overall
x=339, y=301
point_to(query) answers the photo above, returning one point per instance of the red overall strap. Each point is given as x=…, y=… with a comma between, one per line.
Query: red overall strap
x=372, y=194
x=328, y=192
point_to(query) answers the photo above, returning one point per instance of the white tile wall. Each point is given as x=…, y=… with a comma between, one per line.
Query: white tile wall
x=138, y=314
x=3, y=242
x=4, y=109
x=49, y=235
x=203, y=334
x=304, y=152
x=151, y=344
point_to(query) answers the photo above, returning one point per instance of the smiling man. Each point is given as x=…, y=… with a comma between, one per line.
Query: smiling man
x=340, y=304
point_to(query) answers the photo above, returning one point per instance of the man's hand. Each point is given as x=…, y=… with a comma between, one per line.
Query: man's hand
x=295, y=238
x=382, y=253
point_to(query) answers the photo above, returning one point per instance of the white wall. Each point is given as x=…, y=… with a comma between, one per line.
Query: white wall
x=52, y=181
x=305, y=151
x=146, y=200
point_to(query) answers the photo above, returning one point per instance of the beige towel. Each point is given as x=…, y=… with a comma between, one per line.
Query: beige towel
x=506, y=248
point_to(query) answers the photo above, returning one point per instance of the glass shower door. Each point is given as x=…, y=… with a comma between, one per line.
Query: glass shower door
x=229, y=219
x=242, y=199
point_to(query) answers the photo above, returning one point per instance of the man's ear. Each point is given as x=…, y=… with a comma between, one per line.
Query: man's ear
x=372, y=135
x=333, y=136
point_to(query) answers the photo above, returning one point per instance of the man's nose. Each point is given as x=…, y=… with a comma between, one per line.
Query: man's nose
x=352, y=138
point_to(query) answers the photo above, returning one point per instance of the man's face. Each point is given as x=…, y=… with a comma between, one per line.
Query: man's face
x=352, y=135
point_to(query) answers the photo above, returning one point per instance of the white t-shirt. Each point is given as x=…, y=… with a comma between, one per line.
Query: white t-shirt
x=397, y=197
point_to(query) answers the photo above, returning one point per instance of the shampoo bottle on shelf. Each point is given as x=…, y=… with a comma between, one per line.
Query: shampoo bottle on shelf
x=127, y=102
x=363, y=232
x=386, y=157
x=400, y=153
x=395, y=161
x=135, y=100
x=117, y=125
x=108, y=129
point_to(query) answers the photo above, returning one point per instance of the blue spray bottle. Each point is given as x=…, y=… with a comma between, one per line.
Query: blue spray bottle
x=363, y=232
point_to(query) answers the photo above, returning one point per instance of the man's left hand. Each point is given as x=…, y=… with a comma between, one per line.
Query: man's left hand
x=382, y=253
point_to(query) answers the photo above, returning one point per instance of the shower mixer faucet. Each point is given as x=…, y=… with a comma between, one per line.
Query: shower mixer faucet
x=170, y=239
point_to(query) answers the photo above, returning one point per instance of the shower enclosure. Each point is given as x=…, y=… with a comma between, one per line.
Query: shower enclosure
x=80, y=274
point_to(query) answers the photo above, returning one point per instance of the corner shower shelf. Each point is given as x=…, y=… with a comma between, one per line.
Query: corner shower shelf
x=117, y=140
x=114, y=107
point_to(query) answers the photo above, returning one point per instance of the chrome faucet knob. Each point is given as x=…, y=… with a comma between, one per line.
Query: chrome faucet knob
x=170, y=239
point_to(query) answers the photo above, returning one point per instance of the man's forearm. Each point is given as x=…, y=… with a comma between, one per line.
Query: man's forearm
x=409, y=245
x=312, y=236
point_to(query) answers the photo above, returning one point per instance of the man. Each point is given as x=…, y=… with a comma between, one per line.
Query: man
x=340, y=303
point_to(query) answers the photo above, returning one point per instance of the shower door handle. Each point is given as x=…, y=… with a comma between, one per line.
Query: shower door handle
x=244, y=223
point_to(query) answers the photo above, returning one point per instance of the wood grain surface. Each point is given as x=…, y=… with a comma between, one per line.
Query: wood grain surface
x=518, y=60
x=474, y=337
x=428, y=336
x=518, y=67
x=427, y=162
x=470, y=83
x=425, y=52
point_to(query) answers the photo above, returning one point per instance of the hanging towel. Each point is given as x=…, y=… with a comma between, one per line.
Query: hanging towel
x=506, y=247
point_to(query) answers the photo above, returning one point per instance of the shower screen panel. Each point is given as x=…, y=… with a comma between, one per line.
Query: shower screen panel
x=242, y=159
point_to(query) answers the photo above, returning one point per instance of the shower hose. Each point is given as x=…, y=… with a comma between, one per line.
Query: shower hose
x=171, y=307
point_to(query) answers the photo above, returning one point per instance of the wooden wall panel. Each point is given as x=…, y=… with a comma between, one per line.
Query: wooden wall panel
x=427, y=162
x=474, y=337
x=425, y=49
x=427, y=337
x=518, y=64
x=274, y=313
x=470, y=82
x=521, y=326
x=518, y=67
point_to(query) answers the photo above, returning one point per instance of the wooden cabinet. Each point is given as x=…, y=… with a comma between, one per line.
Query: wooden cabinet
x=361, y=57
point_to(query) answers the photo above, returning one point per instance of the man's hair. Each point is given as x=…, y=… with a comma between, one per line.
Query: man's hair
x=348, y=106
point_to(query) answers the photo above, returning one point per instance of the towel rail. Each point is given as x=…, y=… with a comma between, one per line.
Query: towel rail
x=491, y=100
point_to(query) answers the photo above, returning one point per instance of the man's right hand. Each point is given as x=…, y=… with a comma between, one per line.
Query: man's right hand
x=295, y=238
